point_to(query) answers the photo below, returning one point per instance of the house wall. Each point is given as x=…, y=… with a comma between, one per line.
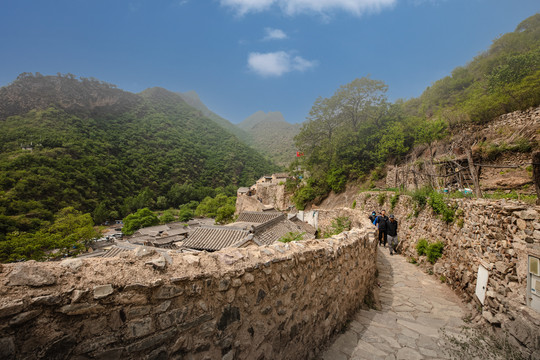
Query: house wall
x=283, y=301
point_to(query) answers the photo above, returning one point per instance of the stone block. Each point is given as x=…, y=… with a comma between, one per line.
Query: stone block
x=191, y=259
x=249, y=278
x=521, y=224
x=158, y=263
x=150, y=342
x=168, y=292
x=46, y=300
x=139, y=328
x=529, y=214
x=11, y=308
x=73, y=264
x=81, y=309
x=102, y=291
x=164, y=306
x=94, y=343
x=31, y=275
x=141, y=251
x=24, y=317
x=224, y=284
x=137, y=311
x=171, y=318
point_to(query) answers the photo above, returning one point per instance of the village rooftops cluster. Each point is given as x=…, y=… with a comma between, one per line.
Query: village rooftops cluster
x=255, y=228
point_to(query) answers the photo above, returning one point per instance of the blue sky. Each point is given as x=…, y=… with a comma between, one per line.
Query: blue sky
x=242, y=56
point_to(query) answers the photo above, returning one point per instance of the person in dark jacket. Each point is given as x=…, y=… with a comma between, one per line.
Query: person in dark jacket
x=372, y=217
x=391, y=228
x=381, y=223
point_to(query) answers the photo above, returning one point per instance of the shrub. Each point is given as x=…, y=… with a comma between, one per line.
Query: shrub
x=167, y=217
x=439, y=206
x=292, y=236
x=225, y=214
x=337, y=179
x=434, y=251
x=353, y=204
x=420, y=197
x=185, y=214
x=339, y=225
x=421, y=247
x=381, y=198
x=302, y=196
x=393, y=201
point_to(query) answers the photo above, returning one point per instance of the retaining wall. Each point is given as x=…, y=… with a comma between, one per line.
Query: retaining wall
x=283, y=301
x=497, y=234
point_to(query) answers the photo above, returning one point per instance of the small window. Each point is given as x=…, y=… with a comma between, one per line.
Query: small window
x=533, y=266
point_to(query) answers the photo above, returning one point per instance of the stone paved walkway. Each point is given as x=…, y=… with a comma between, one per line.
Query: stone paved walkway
x=415, y=307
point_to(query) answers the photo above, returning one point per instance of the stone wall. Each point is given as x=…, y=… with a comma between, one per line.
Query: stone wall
x=507, y=128
x=266, y=195
x=497, y=234
x=283, y=301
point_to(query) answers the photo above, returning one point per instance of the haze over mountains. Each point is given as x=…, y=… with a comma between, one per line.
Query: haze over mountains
x=268, y=133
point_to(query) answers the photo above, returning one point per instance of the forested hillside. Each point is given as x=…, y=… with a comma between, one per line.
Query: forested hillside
x=82, y=143
x=500, y=80
x=355, y=132
x=271, y=135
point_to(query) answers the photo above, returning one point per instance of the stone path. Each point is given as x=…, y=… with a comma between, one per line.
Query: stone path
x=415, y=307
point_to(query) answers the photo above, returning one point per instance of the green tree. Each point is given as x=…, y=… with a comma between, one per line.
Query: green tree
x=140, y=219
x=100, y=213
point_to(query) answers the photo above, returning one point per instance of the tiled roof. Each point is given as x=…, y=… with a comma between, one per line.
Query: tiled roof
x=214, y=238
x=281, y=175
x=257, y=217
x=152, y=230
x=243, y=190
x=304, y=226
x=270, y=233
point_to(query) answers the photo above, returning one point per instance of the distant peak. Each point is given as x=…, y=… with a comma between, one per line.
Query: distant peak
x=192, y=94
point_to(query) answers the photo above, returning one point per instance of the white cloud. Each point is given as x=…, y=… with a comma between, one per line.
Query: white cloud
x=294, y=7
x=274, y=34
x=244, y=6
x=277, y=63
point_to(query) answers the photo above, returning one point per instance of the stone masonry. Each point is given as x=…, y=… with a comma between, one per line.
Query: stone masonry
x=497, y=234
x=283, y=301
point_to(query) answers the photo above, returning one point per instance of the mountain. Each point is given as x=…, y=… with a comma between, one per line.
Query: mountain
x=192, y=98
x=272, y=135
x=83, y=143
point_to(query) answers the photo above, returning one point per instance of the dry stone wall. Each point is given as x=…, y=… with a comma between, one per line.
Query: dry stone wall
x=498, y=235
x=283, y=301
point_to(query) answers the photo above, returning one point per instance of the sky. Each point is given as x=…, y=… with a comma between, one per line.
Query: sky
x=242, y=56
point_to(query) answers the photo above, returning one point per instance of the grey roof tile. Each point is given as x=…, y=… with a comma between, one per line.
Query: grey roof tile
x=214, y=238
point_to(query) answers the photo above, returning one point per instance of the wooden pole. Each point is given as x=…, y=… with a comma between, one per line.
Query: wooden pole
x=536, y=174
x=474, y=174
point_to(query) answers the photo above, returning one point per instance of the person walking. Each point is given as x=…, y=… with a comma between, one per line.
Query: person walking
x=381, y=222
x=391, y=228
x=372, y=217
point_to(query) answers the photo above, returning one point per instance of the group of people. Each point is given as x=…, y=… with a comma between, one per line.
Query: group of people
x=387, y=229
